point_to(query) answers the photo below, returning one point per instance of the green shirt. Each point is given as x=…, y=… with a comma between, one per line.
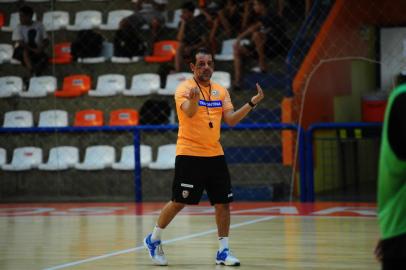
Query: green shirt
x=392, y=176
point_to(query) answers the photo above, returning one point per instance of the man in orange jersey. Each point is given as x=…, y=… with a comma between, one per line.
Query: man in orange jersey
x=200, y=163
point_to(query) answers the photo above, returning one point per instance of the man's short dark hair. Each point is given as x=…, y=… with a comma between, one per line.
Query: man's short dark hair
x=189, y=6
x=26, y=10
x=202, y=50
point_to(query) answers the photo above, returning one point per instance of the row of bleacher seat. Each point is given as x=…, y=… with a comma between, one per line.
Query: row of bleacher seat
x=96, y=157
x=85, y=19
x=163, y=51
x=107, y=85
x=119, y=117
x=59, y=118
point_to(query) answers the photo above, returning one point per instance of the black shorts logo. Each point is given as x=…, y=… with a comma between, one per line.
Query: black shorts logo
x=185, y=194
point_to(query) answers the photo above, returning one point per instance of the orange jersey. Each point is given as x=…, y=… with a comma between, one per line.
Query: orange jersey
x=195, y=137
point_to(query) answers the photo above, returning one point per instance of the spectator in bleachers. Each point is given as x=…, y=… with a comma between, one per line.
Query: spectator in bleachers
x=31, y=41
x=150, y=13
x=268, y=39
x=233, y=17
x=192, y=34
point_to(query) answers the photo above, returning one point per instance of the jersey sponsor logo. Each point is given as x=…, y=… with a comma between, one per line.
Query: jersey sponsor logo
x=215, y=93
x=211, y=104
x=185, y=194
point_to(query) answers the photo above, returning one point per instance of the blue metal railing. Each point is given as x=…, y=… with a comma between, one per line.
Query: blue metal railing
x=136, y=130
x=309, y=148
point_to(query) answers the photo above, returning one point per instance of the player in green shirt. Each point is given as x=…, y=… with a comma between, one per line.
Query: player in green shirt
x=391, y=249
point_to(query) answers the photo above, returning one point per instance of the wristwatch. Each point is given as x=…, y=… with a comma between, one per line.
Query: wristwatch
x=252, y=104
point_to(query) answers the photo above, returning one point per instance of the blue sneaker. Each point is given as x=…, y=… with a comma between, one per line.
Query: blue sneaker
x=226, y=258
x=155, y=251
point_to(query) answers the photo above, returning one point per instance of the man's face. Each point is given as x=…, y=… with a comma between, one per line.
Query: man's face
x=257, y=7
x=24, y=19
x=203, y=67
x=186, y=15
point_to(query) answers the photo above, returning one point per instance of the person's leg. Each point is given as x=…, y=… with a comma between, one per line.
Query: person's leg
x=259, y=41
x=170, y=210
x=394, y=253
x=27, y=61
x=239, y=53
x=179, y=57
x=183, y=193
x=153, y=240
x=222, y=219
x=219, y=191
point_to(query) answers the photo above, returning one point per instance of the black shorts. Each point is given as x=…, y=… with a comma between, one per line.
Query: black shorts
x=195, y=174
x=394, y=253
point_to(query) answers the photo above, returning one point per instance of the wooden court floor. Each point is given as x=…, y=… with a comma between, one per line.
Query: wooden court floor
x=263, y=236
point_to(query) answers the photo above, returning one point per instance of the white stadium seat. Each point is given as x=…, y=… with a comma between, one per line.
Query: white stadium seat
x=223, y=78
x=127, y=161
x=143, y=84
x=6, y=54
x=174, y=23
x=3, y=156
x=172, y=82
x=40, y=87
x=55, y=20
x=114, y=17
x=18, y=119
x=125, y=60
x=53, y=118
x=61, y=158
x=97, y=157
x=227, y=51
x=165, y=159
x=86, y=19
x=14, y=21
x=24, y=158
x=10, y=86
x=108, y=85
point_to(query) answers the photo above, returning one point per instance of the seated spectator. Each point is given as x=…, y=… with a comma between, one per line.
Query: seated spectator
x=192, y=34
x=268, y=39
x=147, y=12
x=233, y=17
x=30, y=40
x=229, y=18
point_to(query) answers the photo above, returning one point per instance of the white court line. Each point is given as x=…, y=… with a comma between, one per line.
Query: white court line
x=186, y=237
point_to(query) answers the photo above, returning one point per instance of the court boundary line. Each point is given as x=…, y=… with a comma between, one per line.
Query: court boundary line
x=186, y=237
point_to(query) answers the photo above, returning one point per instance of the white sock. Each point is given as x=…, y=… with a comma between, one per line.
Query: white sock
x=156, y=233
x=223, y=243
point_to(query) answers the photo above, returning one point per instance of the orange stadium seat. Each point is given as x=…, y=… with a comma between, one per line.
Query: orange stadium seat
x=62, y=54
x=124, y=117
x=164, y=51
x=88, y=118
x=74, y=86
